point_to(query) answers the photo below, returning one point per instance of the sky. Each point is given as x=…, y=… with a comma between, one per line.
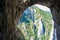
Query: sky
x=42, y=7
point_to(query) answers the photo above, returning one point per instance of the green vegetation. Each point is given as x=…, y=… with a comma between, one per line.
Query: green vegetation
x=28, y=28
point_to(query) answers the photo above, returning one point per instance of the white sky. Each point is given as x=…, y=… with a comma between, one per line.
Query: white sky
x=42, y=7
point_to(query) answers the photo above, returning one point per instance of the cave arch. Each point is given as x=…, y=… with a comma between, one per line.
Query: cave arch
x=10, y=6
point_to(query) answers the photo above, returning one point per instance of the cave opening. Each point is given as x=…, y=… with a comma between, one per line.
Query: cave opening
x=37, y=17
x=4, y=18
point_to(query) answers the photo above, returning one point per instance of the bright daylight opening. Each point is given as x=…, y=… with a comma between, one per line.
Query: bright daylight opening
x=36, y=23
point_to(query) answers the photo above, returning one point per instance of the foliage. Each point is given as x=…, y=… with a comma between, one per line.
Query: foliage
x=30, y=28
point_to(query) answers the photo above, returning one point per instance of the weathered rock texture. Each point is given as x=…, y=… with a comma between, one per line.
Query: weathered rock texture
x=11, y=10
